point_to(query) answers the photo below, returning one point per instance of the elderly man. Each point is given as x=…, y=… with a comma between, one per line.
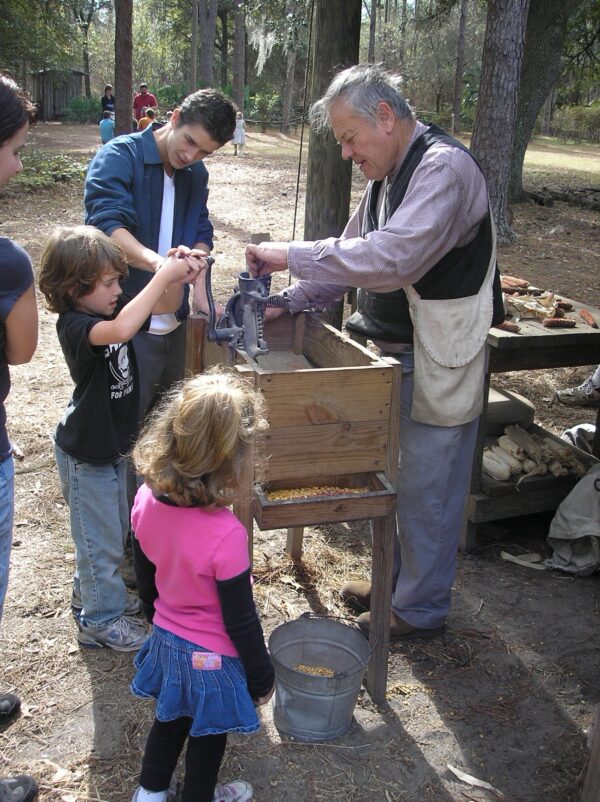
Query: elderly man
x=421, y=248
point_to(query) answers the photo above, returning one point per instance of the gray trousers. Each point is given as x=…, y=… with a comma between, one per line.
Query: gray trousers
x=433, y=483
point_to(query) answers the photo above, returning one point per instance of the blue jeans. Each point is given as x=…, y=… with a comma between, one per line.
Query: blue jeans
x=433, y=483
x=97, y=499
x=7, y=509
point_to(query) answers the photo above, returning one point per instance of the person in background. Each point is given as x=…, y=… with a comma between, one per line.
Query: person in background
x=143, y=100
x=421, y=248
x=586, y=394
x=205, y=663
x=18, y=341
x=239, y=136
x=107, y=127
x=80, y=277
x=146, y=120
x=108, y=100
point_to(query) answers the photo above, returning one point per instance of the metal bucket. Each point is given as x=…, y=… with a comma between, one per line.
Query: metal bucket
x=306, y=706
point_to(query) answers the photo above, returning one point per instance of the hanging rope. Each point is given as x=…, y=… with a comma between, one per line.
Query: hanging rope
x=310, y=29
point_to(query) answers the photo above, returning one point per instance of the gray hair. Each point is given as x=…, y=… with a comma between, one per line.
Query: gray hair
x=363, y=87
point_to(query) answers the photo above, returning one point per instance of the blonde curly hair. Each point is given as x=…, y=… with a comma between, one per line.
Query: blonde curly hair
x=193, y=443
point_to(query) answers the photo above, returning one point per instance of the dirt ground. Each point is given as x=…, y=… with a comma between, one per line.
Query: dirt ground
x=505, y=695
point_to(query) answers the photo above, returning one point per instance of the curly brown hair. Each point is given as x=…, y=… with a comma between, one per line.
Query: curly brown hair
x=74, y=259
x=192, y=446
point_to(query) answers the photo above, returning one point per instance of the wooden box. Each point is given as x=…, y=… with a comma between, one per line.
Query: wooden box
x=332, y=411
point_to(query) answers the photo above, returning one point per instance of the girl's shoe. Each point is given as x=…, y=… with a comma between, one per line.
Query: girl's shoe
x=238, y=791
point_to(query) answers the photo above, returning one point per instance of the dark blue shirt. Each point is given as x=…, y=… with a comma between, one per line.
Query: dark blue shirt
x=16, y=276
x=124, y=189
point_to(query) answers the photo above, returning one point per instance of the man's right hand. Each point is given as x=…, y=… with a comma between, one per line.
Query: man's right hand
x=266, y=257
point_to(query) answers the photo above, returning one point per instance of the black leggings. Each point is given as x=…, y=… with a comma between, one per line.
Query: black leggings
x=203, y=758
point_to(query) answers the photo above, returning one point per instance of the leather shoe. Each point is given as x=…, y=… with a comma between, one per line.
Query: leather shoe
x=21, y=788
x=357, y=595
x=399, y=629
x=9, y=707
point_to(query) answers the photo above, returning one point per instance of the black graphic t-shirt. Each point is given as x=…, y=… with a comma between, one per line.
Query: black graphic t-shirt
x=100, y=421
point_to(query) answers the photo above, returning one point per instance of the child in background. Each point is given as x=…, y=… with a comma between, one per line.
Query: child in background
x=146, y=120
x=106, y=127
x=80, y=273
x=205, y=663
x=239, y=135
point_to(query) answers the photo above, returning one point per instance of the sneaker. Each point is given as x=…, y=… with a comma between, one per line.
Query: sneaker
x=9, y=707
x=123, y=635
x=238, y=791
x=171, y=792
x=21, y=788
x=132, y=604
x=586, y=395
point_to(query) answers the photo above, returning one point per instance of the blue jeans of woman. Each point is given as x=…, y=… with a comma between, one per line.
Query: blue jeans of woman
x=97, y=499
x=7, y=508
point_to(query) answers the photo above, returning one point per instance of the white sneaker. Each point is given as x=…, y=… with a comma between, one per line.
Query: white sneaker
x=238, y=791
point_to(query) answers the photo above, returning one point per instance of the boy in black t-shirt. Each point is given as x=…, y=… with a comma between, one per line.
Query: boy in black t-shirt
x=80, y=279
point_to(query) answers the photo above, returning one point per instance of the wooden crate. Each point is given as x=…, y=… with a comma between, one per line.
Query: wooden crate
x=330, y=411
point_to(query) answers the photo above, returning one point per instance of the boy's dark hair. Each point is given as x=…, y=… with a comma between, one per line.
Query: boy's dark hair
x=15, y=108
x=150, y=112
x=106, y=114
x=74, y=259
x=212, y=110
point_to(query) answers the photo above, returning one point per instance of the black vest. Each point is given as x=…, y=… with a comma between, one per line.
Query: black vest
x=458, y=274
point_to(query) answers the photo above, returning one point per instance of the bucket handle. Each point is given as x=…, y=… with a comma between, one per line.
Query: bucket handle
x=341, y=674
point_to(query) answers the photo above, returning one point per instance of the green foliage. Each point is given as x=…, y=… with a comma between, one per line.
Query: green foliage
x=84, y=110
x=171, y=95
x=577, y=123
x=43, y=169
x=264, y=107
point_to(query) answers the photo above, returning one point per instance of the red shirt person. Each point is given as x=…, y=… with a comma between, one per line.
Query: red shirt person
x=143, y=100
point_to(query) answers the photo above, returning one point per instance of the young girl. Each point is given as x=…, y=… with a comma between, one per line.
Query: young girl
x=205, y=663
x=18, y=340
x=80, y=277
x=239, y=135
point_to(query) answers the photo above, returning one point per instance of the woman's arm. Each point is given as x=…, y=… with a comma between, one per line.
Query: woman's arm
x=21, y=329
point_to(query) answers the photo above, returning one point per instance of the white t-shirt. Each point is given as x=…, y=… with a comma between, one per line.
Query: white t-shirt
x=163, y=324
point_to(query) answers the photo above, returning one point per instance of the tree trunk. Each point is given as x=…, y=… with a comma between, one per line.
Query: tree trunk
x=336, y=45
x=194, y=47
x=372, y=27
x=402, y=45
x=123, y=64
x=546, y=31
x=208, y=29
x=86, y=60
x=224, y=17
x=460, y=65
x=495, y=117
x=547, y=113
x=288, y=90
x=239, y=54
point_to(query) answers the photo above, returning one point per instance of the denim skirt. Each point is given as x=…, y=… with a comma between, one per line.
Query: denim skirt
x=187, y=680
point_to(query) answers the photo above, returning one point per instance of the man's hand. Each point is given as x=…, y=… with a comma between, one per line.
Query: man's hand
x=266, y=257
x=182, y=268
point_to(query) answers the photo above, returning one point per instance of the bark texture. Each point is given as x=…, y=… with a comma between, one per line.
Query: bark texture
x=493, y=131
x=208, y=28
x=239, y=54
x=123, y=64
x=546, y=31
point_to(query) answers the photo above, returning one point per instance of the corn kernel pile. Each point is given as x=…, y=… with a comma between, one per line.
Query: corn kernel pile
x=317, y=671
x=320, y=490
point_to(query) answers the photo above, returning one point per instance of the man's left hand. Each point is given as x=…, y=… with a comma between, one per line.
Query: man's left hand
x=266, y=257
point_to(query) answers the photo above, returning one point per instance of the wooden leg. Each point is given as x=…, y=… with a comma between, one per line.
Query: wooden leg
x=467, y=540
x=293, y=546
x=242, y=508
x=596, y=442
x=591, y=786
x=384, y=532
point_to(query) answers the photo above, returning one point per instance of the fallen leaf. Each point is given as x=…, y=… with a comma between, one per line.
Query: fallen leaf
x=470, y=780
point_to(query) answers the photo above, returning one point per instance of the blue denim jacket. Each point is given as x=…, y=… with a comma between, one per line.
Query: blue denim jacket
x=124, y=189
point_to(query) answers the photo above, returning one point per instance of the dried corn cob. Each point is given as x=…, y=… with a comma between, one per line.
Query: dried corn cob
x=507, y=325
x=511, y=447
x=564, y=305
x=525, y=441
x=588, y=318
x=558, y=323
x=513, y=463
x=513, y=281
x=492, y=465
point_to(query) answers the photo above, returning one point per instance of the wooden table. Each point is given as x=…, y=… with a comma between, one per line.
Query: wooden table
x=533, y=348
